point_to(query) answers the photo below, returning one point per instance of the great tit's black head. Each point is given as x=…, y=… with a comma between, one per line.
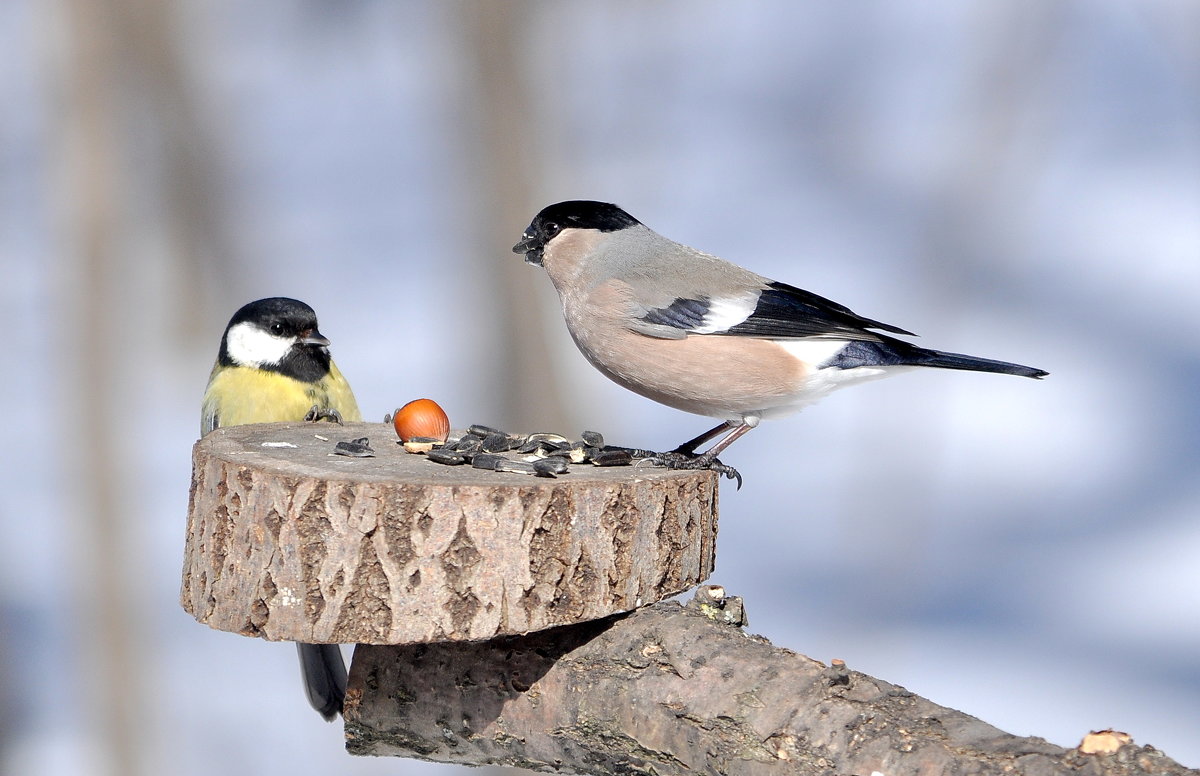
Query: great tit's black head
x=574, y=214
x=277, y=334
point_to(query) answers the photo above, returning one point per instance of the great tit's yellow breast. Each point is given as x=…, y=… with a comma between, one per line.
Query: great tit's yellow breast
x=239, y=395
x=339, y=396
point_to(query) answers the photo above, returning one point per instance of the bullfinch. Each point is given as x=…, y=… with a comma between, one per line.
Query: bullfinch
x=274, y=366
x=697, y=333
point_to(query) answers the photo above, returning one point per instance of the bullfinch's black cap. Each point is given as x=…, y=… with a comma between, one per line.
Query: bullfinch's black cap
x=572, y=214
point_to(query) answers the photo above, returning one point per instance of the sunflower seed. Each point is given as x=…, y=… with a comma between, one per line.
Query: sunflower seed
x=612, y=457
x=634, y=452
x=549, y=467
x=517, y=467
x=448, y=457
x=355, y=448
x=467, y=444
x=486, y=461
x=498, y=442
x=531, y=446
x=555, y=439
x=544, y=443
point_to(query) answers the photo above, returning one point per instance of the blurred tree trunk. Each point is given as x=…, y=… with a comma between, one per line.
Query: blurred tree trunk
x=502, y=139
x=95, y=186
x=133, y=194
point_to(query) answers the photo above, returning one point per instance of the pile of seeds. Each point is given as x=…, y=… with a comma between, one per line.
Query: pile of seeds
x=542, y=455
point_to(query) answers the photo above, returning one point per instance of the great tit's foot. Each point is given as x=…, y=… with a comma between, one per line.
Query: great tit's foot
x=323, y=413
x=676, y=459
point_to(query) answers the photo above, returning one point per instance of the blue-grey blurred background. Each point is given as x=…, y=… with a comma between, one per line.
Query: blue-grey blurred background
x=1017, y=180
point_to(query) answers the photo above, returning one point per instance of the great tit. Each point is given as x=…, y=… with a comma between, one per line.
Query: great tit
x=274, y=366
x=700, y=334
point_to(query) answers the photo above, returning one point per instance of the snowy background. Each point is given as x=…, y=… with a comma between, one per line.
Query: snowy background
x=1016, y=180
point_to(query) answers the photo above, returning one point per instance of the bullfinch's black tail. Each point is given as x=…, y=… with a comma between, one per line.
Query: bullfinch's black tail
x=917, y=356
x=894, y=352
x=937, y=358
x=324, y=674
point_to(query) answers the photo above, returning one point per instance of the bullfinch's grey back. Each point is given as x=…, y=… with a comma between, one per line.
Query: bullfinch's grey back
x=700, y=334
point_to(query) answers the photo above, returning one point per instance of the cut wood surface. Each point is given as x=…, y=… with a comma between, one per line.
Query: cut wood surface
x=286, y=541
x=675, y=691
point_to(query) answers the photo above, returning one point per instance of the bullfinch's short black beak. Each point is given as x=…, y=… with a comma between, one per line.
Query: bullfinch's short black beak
x=532, y=249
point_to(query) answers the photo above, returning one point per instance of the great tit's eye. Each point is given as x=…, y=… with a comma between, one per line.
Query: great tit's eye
x=277, y=329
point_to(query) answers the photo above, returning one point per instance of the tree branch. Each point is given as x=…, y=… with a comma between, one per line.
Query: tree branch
x=676, y=690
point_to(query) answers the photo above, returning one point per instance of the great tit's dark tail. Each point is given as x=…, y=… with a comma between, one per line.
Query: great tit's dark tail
x=324, y=674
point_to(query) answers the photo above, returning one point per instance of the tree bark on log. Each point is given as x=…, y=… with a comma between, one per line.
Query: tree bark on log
x=287, y=541
x=674, y=691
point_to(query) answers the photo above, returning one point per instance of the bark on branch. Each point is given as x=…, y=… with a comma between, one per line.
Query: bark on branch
x=674, y=690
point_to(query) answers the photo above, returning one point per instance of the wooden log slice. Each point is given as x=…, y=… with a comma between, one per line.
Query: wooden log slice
x=286, y=541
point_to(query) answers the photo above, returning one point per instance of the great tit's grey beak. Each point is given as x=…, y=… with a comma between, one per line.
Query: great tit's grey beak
x=532, y=249
x=313, y=338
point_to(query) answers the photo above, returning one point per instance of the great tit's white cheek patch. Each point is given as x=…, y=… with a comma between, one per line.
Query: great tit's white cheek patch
x=248, y=345
x=726, y=312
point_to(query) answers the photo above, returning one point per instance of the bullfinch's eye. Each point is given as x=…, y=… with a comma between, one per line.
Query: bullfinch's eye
x=551, y=229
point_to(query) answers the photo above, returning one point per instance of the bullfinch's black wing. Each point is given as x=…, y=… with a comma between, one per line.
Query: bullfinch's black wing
x=775, y=311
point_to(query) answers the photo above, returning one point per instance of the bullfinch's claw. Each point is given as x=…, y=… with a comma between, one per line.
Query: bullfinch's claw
x=728, y=471
x=323, y=413
x=680, y=460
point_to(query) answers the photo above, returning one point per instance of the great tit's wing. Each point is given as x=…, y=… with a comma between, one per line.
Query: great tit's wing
x=324, y=673
x=209, y=418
